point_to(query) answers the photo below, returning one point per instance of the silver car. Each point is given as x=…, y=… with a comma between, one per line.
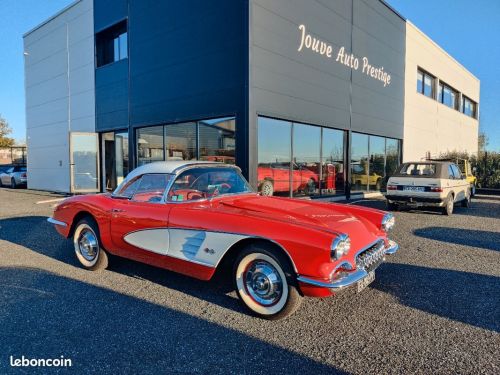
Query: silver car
x=14, y=176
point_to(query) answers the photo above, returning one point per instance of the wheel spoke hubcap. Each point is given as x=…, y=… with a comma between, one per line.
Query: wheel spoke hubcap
x=87, y=243
x=263, y=283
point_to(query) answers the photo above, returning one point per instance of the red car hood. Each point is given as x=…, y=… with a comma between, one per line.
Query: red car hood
x=322, y=216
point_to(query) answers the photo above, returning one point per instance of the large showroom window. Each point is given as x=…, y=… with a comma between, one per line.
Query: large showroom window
x=212, y=140
x=180, y=141
x=359, y=162
x=373, y=160
x=332, y=159
x=217, y=140
x=306, y=160
x=299, y=160
x=274, y=156
x=149, y=145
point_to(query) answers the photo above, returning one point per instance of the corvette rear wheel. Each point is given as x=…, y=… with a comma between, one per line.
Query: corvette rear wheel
x=267, y=188
x=87, y=245
x=264, y=283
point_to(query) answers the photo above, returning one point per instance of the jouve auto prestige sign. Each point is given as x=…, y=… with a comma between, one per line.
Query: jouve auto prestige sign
x=323, y=48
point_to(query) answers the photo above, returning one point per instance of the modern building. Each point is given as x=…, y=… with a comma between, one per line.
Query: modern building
x=309, y=97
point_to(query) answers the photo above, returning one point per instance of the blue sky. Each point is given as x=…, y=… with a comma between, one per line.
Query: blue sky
x=469, y=31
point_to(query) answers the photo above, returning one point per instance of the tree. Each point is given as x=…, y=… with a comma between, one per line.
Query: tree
x=4, y=131
x=482, y=141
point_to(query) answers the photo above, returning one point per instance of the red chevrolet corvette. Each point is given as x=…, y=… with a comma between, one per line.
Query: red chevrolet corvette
x=192, y=217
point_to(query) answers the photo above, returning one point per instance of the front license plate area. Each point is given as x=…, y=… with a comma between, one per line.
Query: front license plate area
x=362, y=284
x=414, y=188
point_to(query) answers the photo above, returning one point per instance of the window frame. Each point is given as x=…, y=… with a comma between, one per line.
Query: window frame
x=111, y=35
x=442, y=87
x=473, y=105
x=433, y=83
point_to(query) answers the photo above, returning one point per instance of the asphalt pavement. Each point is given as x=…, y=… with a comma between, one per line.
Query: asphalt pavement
x=433, y=308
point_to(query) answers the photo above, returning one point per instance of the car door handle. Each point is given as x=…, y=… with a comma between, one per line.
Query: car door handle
x=114, y=210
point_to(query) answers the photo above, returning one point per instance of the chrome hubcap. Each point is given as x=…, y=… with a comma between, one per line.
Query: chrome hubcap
x=87, y=244
x=263, y=282
x=266, y=189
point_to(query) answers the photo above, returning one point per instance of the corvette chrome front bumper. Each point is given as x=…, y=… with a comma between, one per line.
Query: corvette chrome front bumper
x=350, y=278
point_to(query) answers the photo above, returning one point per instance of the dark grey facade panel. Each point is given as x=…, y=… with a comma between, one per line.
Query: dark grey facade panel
x=112, y=96
x=307, y=86
x=109, y=12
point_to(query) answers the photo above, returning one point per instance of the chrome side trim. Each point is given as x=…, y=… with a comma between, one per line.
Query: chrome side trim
x=56, y=222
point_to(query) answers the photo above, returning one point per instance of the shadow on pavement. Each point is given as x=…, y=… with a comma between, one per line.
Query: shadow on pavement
x=466, y=297
x=468, y=237
x=44, y=315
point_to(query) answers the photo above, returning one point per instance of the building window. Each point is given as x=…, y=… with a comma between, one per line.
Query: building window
x=425, y=83
x=299, y=160
x=373, y=160
x=274, y=156
x=469, y=107
x=448, y=95
x=210, y=140
x=180, y=141
x=306, y=160
x=217, y=140
x=111, y=44
x=150, y=145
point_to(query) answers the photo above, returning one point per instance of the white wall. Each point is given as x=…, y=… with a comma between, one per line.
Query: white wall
x=429, y=125
x=60, y=92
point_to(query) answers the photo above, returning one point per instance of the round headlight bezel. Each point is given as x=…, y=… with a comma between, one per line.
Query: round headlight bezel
x=388, y=222
x=340, y=246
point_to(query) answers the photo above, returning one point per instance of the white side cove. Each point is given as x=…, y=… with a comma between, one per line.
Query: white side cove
x=197, y=246
x=60, y=92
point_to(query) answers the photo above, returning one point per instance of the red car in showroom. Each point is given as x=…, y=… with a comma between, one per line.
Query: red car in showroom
x=275, y=178
x=193, y=217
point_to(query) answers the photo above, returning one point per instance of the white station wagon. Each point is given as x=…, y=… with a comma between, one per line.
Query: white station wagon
x=438, y=184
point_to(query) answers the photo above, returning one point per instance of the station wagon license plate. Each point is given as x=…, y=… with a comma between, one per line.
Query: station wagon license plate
x=362, y=284
x=414, y=188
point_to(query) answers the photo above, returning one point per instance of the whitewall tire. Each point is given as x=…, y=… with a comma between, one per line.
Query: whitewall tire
x=262, y=283
x=87, y=244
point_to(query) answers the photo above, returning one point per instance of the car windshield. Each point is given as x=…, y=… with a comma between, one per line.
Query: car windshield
x=19, y=169
x=207, y=182
x=418, y=169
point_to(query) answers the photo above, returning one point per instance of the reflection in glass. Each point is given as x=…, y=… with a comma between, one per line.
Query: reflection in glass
x=84, y=158
x=149, y=145
x=376, y=179
x=218, y=140
x=121, y=152
x=306, y=159
x=359, y=162
x=274, y=156
x=392, y=157
x=180, y=141
x=332, y=181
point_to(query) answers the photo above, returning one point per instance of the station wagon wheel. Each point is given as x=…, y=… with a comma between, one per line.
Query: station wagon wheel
x=448, y=205
x=87, y=245
x=262, y=283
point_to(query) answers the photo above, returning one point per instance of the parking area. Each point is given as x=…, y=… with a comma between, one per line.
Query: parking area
x=434, y=307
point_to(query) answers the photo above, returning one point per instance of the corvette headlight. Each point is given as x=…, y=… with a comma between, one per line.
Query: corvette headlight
x=340, y=246
x=388, y=222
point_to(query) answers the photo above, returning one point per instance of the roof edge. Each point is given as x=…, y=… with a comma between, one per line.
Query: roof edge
x=51, y=18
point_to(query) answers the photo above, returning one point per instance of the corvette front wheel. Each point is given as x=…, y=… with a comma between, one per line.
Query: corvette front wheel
x=87, y=245
x=264, y=283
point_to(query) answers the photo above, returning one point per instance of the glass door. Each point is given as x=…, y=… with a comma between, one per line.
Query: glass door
x=84, y=156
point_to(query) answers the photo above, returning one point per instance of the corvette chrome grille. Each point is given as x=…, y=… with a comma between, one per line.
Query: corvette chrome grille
x=371, y=258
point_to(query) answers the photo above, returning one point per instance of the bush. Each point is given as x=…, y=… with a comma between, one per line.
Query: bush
x=487, y=166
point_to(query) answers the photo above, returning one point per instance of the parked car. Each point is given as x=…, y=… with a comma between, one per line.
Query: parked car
x=360, y=178
x=197, y=217
x=14, y=176
x=275, y=178
x=467, y=171
x=438, y=184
